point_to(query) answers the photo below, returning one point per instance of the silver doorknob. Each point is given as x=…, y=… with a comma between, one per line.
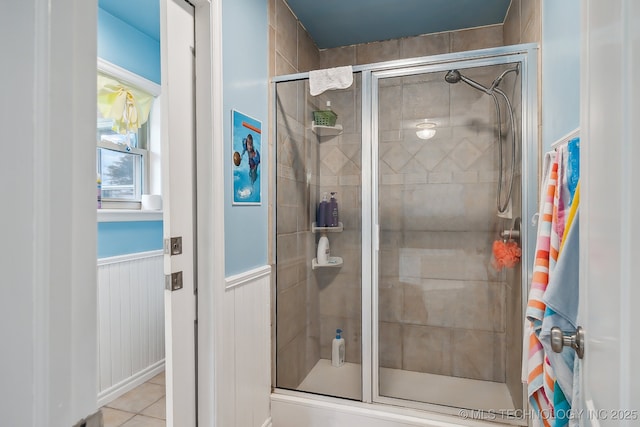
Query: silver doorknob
x=560, y=340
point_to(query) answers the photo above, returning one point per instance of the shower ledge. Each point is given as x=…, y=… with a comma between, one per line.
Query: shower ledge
x=326, y=130
x=334, y=261
x=338, y=229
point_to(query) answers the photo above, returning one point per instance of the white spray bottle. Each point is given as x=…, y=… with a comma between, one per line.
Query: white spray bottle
x=337, y=350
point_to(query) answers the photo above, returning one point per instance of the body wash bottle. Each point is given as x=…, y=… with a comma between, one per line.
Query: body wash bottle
x=333, y=219
x=337, y=350
x=323, y=250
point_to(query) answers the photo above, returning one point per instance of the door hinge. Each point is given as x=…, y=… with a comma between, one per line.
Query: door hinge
x=173, y=246
x=173, y=281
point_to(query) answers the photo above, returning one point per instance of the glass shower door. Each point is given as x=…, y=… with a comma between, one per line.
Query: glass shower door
x=313, y=300
x=443, y=311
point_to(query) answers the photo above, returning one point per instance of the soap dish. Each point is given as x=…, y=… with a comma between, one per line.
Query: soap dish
x=334, y=261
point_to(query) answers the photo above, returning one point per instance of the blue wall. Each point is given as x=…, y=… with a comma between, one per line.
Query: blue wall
x=128, y=237
x=245, y=74
x=126, y=46
x=129, y=48
x=560, y=69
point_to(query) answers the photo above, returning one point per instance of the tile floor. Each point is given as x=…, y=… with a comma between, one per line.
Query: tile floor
x=144, y=406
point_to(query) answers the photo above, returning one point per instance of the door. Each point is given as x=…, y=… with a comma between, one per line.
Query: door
x=442, y=320
x=178, y=189
x=610, y=208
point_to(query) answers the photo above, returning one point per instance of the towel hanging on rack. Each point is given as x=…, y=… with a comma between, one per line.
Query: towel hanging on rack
x=330, y=78
x=539, y=396
x=561, y=300
x=550, y=377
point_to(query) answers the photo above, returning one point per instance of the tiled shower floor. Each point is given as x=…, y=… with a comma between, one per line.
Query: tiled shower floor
x=437, y=389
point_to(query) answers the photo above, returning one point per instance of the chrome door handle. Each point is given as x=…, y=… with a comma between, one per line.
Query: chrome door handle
x=560, y=340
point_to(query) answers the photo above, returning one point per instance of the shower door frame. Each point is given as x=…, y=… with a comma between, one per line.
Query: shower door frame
x=526, y=57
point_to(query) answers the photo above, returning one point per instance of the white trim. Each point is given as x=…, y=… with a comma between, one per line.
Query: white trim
x=129, y=77
x=126, y=215
x=247, y=277
x=268, y=423
x=43, y=114
x=210, y=166
x=129, y=257
x=140, y=377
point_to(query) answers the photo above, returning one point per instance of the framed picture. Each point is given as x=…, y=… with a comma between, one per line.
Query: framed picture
x=246, y=146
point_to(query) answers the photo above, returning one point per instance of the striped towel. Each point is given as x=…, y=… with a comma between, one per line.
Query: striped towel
x=535, y=308
x=561, y=299
x=547, y=163
x=541, y=378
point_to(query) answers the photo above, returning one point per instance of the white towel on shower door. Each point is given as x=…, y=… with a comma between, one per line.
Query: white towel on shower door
x=330, y=78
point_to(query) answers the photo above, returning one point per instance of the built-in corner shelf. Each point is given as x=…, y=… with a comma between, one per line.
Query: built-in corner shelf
x=326, y=130
x=316, y=229
x=334, y=261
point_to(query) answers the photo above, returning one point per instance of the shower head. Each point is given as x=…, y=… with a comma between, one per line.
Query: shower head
x=453, y=76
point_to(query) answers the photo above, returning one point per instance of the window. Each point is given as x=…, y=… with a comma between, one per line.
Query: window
x=124, y=136
x=121, y=162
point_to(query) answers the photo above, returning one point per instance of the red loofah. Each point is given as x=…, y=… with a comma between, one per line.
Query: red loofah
x=505, y=254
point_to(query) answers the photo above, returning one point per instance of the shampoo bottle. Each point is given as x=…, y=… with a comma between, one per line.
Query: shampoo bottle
x=323, y=250
x=333, y=219
x=337, y=350
x=322, y=217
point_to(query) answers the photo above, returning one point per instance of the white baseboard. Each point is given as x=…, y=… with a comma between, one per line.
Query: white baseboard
x=140, y=377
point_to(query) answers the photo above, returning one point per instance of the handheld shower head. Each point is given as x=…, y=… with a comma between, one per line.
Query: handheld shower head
x=453, y=76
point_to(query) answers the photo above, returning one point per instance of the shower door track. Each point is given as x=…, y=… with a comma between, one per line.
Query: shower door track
x=526, y=56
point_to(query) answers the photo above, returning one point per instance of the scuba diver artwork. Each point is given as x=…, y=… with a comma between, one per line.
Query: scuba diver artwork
x=246, y=159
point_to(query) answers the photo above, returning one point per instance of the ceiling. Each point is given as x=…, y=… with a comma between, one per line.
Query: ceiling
x=335, y=23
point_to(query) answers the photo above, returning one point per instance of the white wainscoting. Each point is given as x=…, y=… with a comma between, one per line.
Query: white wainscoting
x=130, y=322
x=247, y=350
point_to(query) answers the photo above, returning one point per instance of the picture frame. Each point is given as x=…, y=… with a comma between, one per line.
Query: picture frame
x=246, y=165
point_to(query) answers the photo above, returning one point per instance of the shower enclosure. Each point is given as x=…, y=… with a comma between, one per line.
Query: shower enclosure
x=430, y=317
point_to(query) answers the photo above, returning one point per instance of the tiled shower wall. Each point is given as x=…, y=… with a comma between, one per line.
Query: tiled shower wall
x=442, y=305
x=340, y=159
x=295, y=294
x=297, y=329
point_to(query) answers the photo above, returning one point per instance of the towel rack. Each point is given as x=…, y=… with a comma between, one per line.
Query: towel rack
x=568, y=137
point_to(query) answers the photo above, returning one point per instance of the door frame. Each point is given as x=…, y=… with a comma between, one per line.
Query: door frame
x=210, y=254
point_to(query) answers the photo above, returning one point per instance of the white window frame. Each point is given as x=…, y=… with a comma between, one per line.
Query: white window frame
x=151, y=180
